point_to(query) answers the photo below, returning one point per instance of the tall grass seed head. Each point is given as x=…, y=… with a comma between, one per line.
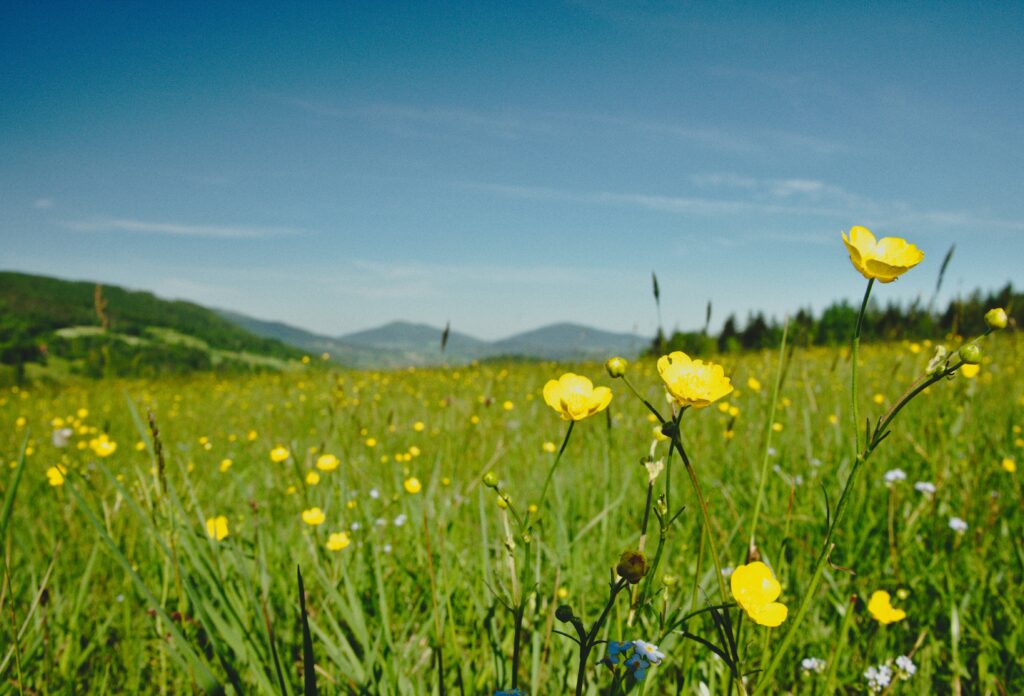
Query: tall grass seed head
x=883, y=259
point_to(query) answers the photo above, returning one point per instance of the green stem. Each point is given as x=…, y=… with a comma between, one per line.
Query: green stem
x=554, y=465
x=678, y=445
x=587, y=640
x=645, y=401
x=854, y=350
x=768, y=436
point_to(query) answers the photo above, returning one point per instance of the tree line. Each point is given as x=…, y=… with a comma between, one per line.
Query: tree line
x=891, y=322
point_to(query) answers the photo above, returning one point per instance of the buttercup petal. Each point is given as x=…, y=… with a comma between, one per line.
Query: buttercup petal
x=772, y=614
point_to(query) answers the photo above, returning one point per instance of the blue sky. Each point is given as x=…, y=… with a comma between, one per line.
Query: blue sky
x=508, y=165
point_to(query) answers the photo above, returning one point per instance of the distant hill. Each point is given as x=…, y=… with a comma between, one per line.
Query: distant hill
x=401, y=343
x=60, y=323
x=419, y=340
x=571, y=342
x=350, y=355
x=44, y=319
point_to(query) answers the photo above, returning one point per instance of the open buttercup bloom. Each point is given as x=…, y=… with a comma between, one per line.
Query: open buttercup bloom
x=883, y=259
x=880, y=606
x=575, y=397
x=693, y=382
x=756, y=589
x=217, y=527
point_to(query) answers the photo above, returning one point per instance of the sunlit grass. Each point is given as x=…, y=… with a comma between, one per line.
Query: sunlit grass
x=401, y=577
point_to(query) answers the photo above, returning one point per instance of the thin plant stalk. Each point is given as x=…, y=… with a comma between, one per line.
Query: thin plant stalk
x=768, y=438
x=554, y=465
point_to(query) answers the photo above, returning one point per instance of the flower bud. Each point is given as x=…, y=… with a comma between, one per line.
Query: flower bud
x=617, y=366
x=670, y=580
x=502, y=502
x=996, y=318
x=632, y=566
x=564, y=613
x=490, y=480
x=938, y=360
x=971, y=354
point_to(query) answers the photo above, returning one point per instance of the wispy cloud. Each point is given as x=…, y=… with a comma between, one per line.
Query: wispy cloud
x=657, y=202
x=42, y=203
x=451, y=121
x=179, y=229
x=776, y=197
x=408, y=120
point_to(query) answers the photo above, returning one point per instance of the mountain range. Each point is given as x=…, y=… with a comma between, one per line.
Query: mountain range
x=402, y=343
x=82, y=327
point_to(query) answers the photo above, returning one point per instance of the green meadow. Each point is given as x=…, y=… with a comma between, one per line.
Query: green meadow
x=421, y=575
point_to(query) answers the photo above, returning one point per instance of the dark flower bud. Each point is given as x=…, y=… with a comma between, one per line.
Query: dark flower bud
x=632, y=566
x=564, y=613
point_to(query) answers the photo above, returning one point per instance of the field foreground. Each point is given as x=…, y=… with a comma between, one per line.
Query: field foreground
x=137, y=564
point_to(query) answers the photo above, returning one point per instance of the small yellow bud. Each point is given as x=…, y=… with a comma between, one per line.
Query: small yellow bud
x=490, y=480
x=502, y=502
x=617, y=366
x=996, y=318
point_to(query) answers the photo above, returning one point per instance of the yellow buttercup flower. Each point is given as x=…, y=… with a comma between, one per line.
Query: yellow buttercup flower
x=693, y=382
x=412, y=485
x=217, y=527
x=880, y=606
x=279, y=453
x=970, y=371
x=883, y=259
x=102, y=446
x=327, y=462
x=338, y=541
x=575, y=397
x=55, y=474
x=756, y=589
x=313, y=516
x=1009, y=465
